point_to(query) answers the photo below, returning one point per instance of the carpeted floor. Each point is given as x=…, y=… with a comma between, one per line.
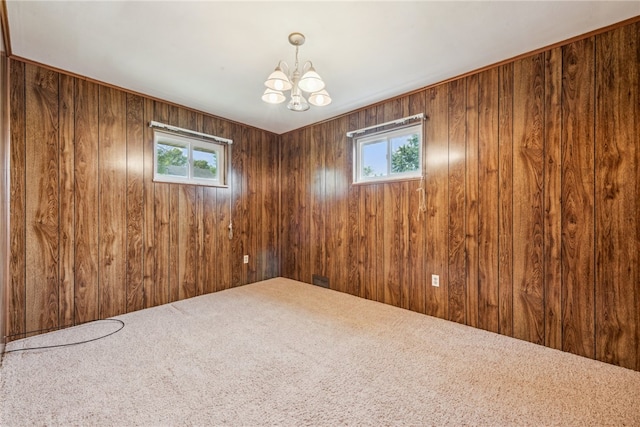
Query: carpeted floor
x=285, y=353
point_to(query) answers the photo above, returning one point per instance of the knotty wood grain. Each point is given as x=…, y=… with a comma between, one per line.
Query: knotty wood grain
x=86, y=203
x=416, y=281
x=251, y=199
x=318, y=232
x=187, y=226
x=488, y=201
x=112, y=202
x=381, y=214
x=196, y=120
x=41, y=207
x=578, y=183
x=239, y=208
x=368, y=247
x=66, y=176
x=135, y=203
x=161, y=224
x=437, y=248
x=552, y=199
x=209, y=258
x=16, y=302
x=336, y=171
x=217, y=214
x=289, y=165
x=186, y=234
x=304, y=188
x=392, y=242
x=617, y=197
x=335, y=216
x=528, y=199
x=174, y=221
x=224, y=210
x=505, y=197
x=270, y=182
x=368, y=229
x=333, y=228
x=149, y=247
x=471, y=201
x=257, y=150
x=395, y=233
x=456, y=203
x=354, y=259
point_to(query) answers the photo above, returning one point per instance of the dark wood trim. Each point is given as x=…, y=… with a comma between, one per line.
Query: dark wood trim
x=4, y=20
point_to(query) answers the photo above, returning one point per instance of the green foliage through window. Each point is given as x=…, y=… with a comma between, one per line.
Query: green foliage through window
x=172, y=160
x=407, y=157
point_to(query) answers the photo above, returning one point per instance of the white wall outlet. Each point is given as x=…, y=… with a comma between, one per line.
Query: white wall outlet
x=245, y=259
x=435, y=280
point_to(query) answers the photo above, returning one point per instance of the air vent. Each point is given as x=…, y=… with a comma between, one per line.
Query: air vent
x=321, y=281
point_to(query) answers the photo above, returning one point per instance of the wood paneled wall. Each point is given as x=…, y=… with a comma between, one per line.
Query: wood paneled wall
x=92, y=236
x=533, y=195
x=4, y=195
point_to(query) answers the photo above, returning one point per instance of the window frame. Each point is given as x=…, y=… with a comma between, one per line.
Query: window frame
x=387, y=135
x=191, y=143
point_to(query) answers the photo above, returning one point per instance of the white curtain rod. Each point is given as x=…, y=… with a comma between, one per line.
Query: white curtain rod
x=159, y=125
x=392, y=122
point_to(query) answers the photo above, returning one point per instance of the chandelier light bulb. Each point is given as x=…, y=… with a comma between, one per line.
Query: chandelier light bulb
x=320, y=99
x=273, y=96
x=311, y=81
x=278, y=80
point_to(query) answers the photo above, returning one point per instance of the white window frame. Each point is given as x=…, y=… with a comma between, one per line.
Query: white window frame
x=360, y=142
x=190, y=143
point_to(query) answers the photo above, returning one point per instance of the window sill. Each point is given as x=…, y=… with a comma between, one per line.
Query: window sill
x=199, y=184
x=388, y=180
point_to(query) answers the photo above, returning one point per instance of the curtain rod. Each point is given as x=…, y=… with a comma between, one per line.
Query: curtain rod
x=159, y=125
x=392, y=122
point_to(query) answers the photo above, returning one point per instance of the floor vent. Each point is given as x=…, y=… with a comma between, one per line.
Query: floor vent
x=321, y=281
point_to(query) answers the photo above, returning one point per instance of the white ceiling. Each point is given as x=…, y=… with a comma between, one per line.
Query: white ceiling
x=214, y=56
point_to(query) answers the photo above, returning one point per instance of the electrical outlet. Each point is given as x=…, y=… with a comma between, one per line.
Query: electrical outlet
x=435, y=280
x=245, y=259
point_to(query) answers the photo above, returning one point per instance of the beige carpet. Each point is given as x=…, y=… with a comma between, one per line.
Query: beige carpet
x=284, y=353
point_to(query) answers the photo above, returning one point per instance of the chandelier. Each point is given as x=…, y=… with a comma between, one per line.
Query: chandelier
x=297, y=81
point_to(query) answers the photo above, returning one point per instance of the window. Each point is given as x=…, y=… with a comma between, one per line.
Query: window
x=188, y=160
x=390, y=155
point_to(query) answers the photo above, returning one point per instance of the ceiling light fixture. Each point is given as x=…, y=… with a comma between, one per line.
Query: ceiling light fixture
x=298, y=81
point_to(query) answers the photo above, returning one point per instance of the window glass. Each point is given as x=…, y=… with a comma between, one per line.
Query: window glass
x=405, y=154
x=205, y=163
x=389, y=155
x=189, y=160
x=374, y=159
x=172, y=159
